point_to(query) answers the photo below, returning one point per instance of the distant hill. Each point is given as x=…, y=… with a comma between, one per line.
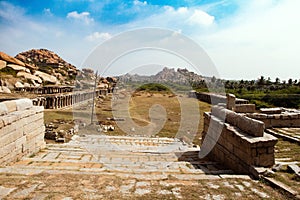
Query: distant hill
x=167, y=75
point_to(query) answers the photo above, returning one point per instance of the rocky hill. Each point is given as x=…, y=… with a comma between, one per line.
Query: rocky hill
x=50, y=63
x=39, y=67
x=34, y=68
x=167, y=75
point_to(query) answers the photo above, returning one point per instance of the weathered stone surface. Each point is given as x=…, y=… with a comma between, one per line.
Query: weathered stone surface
x=21, y=129
x=251, y=126
x=46, y=77
x=23, y=104
x=26, y=85
x=10, y=105
x=5, y=191
x=2, y=64
x=18, y=68
x=5, y=89
x=234, y=143
x=294, y=169
x=245, y=108
x=271, y=110
x=18, y=84
x=29, y=76
x=9, y=59
x=230, y=101
x=3, y=109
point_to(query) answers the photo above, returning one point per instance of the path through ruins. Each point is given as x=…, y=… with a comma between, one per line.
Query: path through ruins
x=119, y=167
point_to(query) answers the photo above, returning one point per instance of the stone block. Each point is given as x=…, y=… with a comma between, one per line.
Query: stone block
x=262, y=150
x=261, y=116
x=38, y=109
x=285, y=123
x=8, y=149
x=7, y=129
x=3, y=109
x=268, y=123
x=23, y=104
x=228, y=146
x=277, y=116
x=9, y=119
x=34, y=133
x=30, y=127
x=239, y=153
x=230, y=101
x=245, y=108
x=251, y=126
x=284, y=116
x=10, y=105
x=254, y=152
x=20, y=143
x=232, y=117
x=271, y=110
x=10, y=137
x=270, y=150
x=266, y=160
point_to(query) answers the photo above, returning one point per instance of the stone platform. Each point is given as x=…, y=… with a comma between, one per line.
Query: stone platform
x=119, y=167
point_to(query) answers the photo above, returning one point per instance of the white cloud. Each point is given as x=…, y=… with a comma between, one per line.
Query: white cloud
x=261, y=39
x=183, y=18
x=98, y=36
x=200, y=17
x=47, y=12
x=139, y=3
x=10, y=12
x=84, y=16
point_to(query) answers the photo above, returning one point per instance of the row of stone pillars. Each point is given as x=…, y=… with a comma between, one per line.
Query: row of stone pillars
x=68, y=99
x=46, y=89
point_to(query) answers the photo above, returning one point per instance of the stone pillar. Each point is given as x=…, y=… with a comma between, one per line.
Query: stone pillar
x=230, y=101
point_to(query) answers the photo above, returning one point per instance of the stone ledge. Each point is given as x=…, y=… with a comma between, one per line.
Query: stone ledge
x=23, y=104
x=250, y=126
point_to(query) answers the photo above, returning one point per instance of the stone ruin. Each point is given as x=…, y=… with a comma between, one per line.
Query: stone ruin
x=278, y=117
x=21, y=129
x=237, y=141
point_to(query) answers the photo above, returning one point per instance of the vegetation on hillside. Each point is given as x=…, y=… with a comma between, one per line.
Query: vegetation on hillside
x=153, y=87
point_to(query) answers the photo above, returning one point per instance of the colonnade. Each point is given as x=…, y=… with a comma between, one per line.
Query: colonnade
x=46, y=89
x=67, y=99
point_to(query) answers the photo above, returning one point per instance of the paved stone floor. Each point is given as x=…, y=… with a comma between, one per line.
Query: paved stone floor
x=117, y=167
x=292, y=132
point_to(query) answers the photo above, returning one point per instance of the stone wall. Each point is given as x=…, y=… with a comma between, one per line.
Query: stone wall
x=284, y=119
x=214, y=99
x=238, y=142
x=21, y=129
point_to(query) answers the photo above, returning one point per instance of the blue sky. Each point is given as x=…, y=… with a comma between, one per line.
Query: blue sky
x=244, y=39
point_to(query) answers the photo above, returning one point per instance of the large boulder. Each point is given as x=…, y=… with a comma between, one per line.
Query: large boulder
x=46, y=77
x=9, y=59
x=18, y=68
x=27, y=85
x=2, y=64
x=5, y=89
x=29, y=76
x=26, y=62
x=19, y=85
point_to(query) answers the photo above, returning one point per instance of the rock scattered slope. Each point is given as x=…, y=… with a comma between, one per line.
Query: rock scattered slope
x=34, y=68
x=38, y=67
